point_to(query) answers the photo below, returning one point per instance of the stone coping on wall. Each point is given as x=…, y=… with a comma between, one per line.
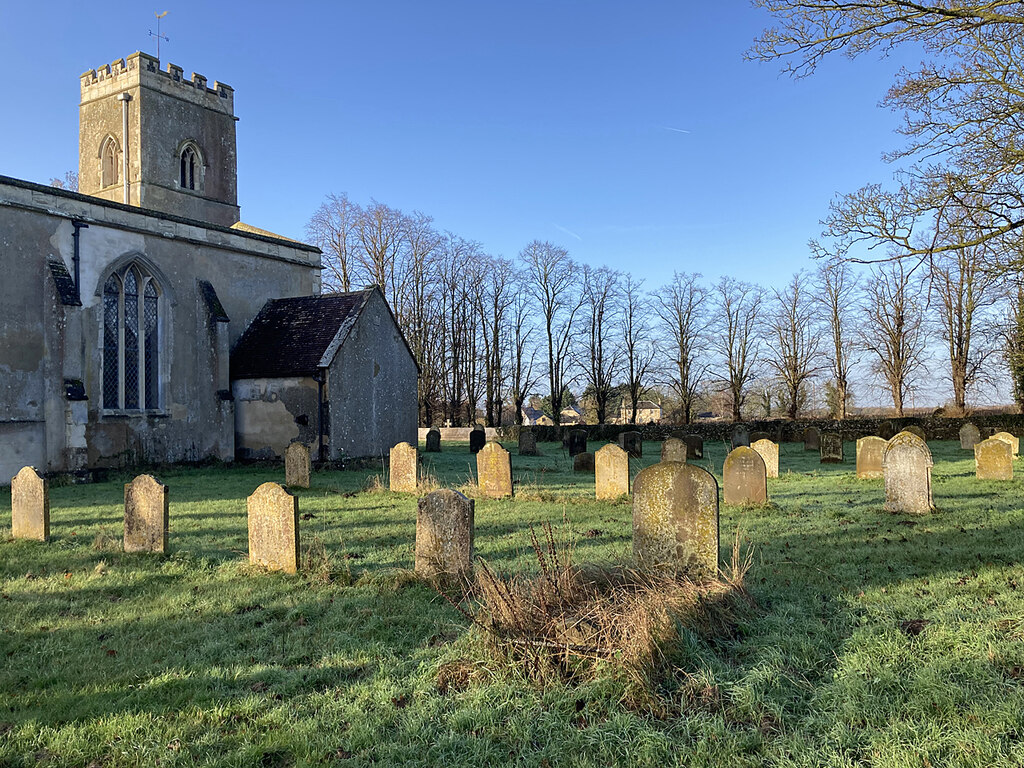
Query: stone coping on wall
x=459, y=434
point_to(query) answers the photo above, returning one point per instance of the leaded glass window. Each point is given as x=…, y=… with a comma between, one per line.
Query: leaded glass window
x=131, y=341
x=112, y=343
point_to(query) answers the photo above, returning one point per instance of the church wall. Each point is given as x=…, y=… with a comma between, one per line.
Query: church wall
x=272, y=413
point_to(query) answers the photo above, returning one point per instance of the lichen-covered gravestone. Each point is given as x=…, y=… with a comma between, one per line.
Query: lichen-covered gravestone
x=993, y=460
x=632, y=443
x=1013, y=441
x=970, y=436
x=673, y=449
x=675, y=521
x=831, y=448
x=30, y=506
x=744, y=477
x=274, y=528
x=433, y=441
x=907, y=469
x=611, y=472
x=869, y=457
x=494, y=471
x=577, y=441
x=694, y=446
x=583, y=462
x=916, y=430
x=527, y=442
x=146, y=518
x=403, y=468
x=444, y=534
x=740, y=436
x=297, y=468
x=812, y=439
x=477, y=438
x=769, y=453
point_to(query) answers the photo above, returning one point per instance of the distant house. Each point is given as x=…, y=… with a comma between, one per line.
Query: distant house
x=533, y=417
x=647, y=412
x=572, y=415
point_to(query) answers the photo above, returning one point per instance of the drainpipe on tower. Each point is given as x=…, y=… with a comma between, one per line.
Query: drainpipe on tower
x=124, y=98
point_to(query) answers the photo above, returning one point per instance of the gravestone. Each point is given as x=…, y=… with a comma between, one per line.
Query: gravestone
x=146, y=518
x=993, y=460
x=744, y=477
x=869, y=457
x=577, y=441
x=402, y=468
x=907, y=469
x=494, y=471
x=632, y=443
x=1014, y=442
x=274, y=528
x=740, y=436
x=831, y=448
x=444, y=534
x=916, y=430
x=812, y=439
x=297, y=467
x=769, y=453
x=970, y=436
x=760, y=435
x=527, y=442
x=694, y=447
x=675, y=521
x=886, y=430
x=583, y=462
x=433, y=441
x=673, y=449
x=611, y=472
x=30, y=506
x=477, y=438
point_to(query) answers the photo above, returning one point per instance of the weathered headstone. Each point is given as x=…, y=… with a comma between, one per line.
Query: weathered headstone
x=433, y=441
x=444, y=534
x=916, y=430
x=477, y=438
x=769, y=453
x=611, y=472
x=869, y=457
x=274, y=528
x=759, y=435
x=632, y=443
x=494, y=471
x=675, y=520
x=887, y=429
x=1013, y=441
x=297, y=467
x=831, y=448
x=403, y=468
x=744, y=477
x=907, y=469
x=583, y=462
x=970, y=436
x=577, y=441
x=527, y=442
x=30, y=506
x=146, y=518
x=673, y=449
x=740, y=436
x=993, y=460
x=694, y=447
x=812, y=439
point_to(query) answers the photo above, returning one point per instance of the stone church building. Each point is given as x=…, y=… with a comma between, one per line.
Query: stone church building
x=121, y=303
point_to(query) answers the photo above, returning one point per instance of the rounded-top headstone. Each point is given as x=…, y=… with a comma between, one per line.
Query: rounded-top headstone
x=632, y=443
x=297, y=466
x=740, y=436
x=970, y=436
x=887, y=429
x=494, y=471
x=916, y=430
x=611, y=472
x=1011, y=439
x=831, y=448
x=769, y=453
x=527, y=442
x=146, y=515
x=577, y=441
x=477, y=438
x=744, y=477
x=993, y=460
x=433, y=441
x=444, y=534
x=812, y=439
x=694, y=446
x=907, y=469
x=869, y=457
x=583, y=462
x=673, y=449
x=274, y=528
x=403, y=468
x=30, y=505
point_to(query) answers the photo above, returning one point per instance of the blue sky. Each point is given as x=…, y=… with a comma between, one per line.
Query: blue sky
x=635, y=135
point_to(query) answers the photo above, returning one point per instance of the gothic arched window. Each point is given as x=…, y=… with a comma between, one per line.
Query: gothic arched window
x=190, y=167
x=108, y=162
x=131, y=341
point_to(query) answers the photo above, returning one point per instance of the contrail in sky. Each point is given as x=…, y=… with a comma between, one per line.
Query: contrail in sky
x=568, y=231
x=677, y=130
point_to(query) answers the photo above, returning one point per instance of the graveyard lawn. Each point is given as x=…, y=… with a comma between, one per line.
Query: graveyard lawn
x=880, y=639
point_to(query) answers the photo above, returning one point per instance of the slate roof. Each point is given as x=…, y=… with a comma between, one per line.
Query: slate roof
x=289, y=337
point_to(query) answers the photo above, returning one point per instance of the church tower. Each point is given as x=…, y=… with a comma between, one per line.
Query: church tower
x=151, y=138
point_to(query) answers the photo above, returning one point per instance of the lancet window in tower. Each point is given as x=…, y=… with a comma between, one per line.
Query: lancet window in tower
x=189, y=167
x=108, y=163
x=131, y=341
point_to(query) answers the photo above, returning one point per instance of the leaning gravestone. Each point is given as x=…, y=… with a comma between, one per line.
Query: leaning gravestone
x=1014, y=442
x=583, y=462
x=740, y=436
x=611, y=472
x=907, y=469
x=30, y=506
x=675, y=521
x=494, y=471
x=632, y=443
x=444, y=534
x=402, y=468
x=297, y=467
x=694, y=446
x=831, y=448
x=744, y=477
x=433, y=441
x=577, y=441
x=970, y=436
x=527, y=442
x=916, y=430
x=477, y=438
x=812, y=439
x=993, y=460
x=274, y=528
x=869, y=457
x=673, y=449
x=146, y=518
x=769, y=453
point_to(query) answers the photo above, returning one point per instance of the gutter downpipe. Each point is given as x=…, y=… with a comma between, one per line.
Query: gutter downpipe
x=124, y=98
x=320, y=381
x=76, y=257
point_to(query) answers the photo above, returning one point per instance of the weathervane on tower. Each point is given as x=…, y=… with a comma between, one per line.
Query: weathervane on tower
x=158, y=36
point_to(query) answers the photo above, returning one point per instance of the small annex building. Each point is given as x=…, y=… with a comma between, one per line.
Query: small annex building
x=332, y=371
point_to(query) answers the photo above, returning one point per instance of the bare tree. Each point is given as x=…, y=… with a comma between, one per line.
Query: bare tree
x=837, y=288
x=796, y=343
x=600, y=358
x=1013, y=339
x=69, y=182
x=382, y=233
x=681, y=306
x=736, y=339
x=332, y=229
x=637, y=343
x=523, y=377
x=495, y=298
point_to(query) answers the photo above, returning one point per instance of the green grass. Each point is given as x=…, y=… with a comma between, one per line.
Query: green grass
x=881, y=640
